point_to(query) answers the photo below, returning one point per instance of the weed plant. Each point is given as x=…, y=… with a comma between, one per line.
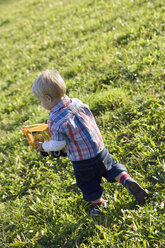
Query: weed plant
x=111, y=55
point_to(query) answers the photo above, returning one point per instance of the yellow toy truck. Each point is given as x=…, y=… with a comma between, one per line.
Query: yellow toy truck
x=40, y=132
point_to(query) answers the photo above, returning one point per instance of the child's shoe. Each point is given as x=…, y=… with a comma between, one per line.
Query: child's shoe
x=134, y=188
x=97, y=210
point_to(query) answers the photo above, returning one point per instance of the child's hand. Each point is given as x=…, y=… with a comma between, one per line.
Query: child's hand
x=39, y=146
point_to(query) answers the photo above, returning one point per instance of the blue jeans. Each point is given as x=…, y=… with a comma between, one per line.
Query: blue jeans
x=89, y=174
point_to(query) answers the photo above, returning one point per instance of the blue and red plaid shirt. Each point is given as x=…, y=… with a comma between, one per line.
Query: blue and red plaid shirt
x=72, y=121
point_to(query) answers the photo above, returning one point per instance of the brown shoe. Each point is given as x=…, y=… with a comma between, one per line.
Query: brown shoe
x=138, y=192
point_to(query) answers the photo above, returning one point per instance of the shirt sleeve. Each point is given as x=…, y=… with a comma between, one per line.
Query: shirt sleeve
x=52, y=145
x=58, y=132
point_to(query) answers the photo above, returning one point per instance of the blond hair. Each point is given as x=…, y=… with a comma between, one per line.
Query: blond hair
x=49, y=83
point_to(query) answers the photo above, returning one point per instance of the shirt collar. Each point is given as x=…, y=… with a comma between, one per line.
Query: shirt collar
x=64, y=102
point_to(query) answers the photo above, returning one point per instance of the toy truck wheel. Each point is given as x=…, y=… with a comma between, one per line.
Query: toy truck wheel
x=56, y=154
x=44, y=154
x=63, y=153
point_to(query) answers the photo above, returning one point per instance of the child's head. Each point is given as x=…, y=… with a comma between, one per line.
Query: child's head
x=49, y=83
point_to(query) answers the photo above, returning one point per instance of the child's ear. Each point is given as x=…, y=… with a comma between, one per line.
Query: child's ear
x=49, y=98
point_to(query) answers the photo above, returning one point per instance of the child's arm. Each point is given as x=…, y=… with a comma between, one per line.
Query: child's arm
x=50, y=146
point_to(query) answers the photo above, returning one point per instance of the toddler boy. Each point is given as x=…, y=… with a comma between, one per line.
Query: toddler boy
x=73, y=126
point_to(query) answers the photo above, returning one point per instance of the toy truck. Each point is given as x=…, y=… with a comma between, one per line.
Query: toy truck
x=40, y=132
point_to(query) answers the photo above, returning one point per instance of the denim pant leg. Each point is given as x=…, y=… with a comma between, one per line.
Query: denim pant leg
x=89, y=173
x=88, y=180
x=112, y=167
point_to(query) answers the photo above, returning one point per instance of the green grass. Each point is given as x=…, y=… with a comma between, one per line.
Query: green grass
x=111, y=55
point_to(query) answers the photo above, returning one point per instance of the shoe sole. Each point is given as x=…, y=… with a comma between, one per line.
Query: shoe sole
x=139, y=193
x=99, y=211
x=96, y=214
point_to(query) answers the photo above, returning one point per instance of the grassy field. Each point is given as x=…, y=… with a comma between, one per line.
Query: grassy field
x=111, y=55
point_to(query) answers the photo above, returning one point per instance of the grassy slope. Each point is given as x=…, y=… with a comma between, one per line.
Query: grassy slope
x=111, y=54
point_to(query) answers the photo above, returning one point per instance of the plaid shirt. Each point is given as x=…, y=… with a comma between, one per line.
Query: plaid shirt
x=72, y=121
